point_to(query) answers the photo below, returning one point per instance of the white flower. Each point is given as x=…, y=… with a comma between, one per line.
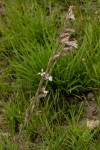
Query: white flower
x=50, y=78
x=44, y=91
x=42, y=73
x=47, y=77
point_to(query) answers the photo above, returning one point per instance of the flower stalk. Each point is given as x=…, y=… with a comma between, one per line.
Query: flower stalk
x=68, y=45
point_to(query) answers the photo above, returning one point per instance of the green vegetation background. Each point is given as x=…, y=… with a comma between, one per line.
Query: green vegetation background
x=29, y=31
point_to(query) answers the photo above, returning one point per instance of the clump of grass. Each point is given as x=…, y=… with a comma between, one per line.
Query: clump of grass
x=30, y=40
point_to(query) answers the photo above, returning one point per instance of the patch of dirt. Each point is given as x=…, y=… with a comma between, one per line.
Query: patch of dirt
x=91, y=108
x=91, y=117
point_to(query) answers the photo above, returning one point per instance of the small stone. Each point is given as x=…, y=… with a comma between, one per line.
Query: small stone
x=90, y=96
x=92, y=123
